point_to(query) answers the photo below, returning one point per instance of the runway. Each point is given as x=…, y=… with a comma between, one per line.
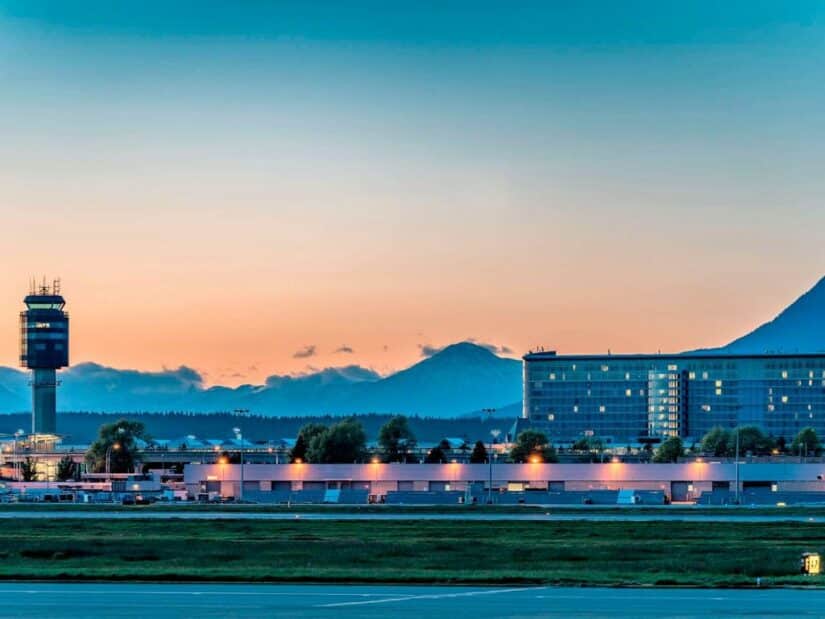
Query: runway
x=161, y=601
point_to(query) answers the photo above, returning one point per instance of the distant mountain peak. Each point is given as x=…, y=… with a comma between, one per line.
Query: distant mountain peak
x=799, y=328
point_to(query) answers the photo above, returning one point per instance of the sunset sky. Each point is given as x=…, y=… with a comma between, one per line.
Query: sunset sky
x=251, y=188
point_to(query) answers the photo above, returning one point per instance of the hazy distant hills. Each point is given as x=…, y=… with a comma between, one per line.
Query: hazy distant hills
x=457, y=380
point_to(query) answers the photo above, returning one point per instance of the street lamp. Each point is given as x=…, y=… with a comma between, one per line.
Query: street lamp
x=240, y=412
x=113, y=446
x=20, y=432
x=737, y=465
x=495, y=433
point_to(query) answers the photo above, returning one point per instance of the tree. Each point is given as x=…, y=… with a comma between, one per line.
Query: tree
x=341, y=443
x=118, y=440
x=435, y=456
x=533, y=445
x=716, y=442
x=298, y=453
x=66, y=469
x=479, y=455
x=396, y=439
x=670, y=450
x=305, y=435
x=751, y=440
x=28, y=470
x=806, y=443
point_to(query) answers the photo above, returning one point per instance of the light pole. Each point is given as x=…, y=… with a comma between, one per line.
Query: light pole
x=737, y=465
x=113, y=446
x=240, y=412
x=17, y=435
x=495, y=433
x=490, y=412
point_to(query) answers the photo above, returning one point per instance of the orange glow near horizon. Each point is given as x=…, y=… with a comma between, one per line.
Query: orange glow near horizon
x=234, y=331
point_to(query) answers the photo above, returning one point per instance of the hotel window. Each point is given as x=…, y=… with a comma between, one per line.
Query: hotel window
x=706, y=408
x=704, y=375
x=718, y=392
x=784, y=399
x=628, y=392
x=552, y=376
x=672, y=368
x=602, y=409
x=718, y=383
x=605, y=368
x=784, y=373
x=575, y=408
x=627, y=375
x=551, y=417
x=692, y=376
x=771, y=407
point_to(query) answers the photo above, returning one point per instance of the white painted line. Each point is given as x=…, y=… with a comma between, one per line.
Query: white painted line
x=178, y=592
x=432, y=596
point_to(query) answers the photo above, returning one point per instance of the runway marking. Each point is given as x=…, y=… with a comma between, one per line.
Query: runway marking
x=432, y=596
x=178, y=592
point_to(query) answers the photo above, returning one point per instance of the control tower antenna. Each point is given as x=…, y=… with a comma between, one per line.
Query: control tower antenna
x=44, y=328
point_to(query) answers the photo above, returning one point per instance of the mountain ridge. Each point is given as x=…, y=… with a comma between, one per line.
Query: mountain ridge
x=458, y=379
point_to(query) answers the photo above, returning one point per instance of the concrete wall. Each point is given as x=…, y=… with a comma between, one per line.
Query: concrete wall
x=386, y=477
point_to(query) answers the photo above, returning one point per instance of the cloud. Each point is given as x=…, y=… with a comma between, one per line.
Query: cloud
x=496, y=350
x=429, y=351
x=344, y=349
x=306, y=352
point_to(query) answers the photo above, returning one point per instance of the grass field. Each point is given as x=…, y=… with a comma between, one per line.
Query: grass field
x=664, y=510
x=612, y=553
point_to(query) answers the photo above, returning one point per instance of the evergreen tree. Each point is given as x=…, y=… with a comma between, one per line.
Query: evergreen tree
x=479, y=455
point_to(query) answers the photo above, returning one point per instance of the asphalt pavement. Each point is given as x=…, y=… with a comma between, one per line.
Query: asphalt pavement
x=161, y=601
x=548, y=516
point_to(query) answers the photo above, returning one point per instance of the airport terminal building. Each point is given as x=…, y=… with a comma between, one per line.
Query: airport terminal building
x=627, y=397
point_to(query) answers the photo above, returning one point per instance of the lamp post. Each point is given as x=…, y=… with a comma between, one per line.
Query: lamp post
x=490, y=412
x=737, y=465
x=495, y=433
x=17, y=435
x=240, y=412
x=113, y=446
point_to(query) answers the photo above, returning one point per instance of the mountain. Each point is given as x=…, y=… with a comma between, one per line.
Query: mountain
x=455, y=380
x=799, y=328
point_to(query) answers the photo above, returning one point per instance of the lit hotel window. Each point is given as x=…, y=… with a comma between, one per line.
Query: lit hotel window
x=692, y=376
x=771, y=407
x=551, y=417
x=718, y=383
x=706, y=408
x=672, y=368
x=552, y=376
x=605, y=368
x=718, y=392
x=784, y=399
x=784, y=373
x=602, y=409
x=575, y=408
x=704, y=375
x=628, y=392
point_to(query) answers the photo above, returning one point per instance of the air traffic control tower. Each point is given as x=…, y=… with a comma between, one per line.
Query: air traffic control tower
x=44, y=328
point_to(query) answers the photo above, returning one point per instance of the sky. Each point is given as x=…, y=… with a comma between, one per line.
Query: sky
x=251, y=188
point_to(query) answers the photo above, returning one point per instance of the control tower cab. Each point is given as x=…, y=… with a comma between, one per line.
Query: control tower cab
x=44, y=329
